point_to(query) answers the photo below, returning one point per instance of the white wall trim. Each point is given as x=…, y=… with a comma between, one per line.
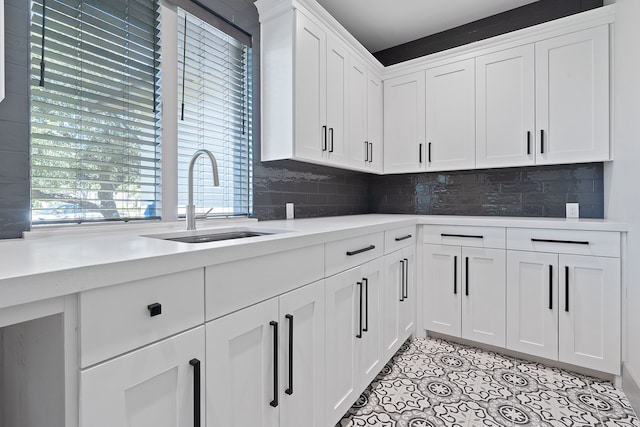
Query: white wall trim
x=631, y=387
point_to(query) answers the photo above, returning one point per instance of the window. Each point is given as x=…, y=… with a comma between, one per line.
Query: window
x=94, y=120
x=96, y=125
x=215, y=114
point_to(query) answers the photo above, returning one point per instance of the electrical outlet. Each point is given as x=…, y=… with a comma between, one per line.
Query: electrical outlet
x=289, y=210
x=573, y=210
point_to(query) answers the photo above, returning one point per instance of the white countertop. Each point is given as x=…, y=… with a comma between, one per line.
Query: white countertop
x=47, y=265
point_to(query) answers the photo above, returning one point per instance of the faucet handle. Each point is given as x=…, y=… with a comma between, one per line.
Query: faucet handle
x=204, y=215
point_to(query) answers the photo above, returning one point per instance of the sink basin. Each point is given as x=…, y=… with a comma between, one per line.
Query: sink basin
x=216, y=234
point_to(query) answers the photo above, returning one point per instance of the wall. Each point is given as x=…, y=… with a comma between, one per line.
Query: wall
x=538, y=191
x=621, y=196
x=14, y=123
x=515, y=19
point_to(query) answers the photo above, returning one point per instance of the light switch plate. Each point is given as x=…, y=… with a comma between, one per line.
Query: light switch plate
x=573, y=210
x=289, y=210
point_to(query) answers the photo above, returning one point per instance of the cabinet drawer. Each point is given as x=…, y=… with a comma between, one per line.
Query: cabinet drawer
x=479, y=237
x=578, y=242
x=119, y=318
x=235, y=285
x=399, y=238
x=344, y=254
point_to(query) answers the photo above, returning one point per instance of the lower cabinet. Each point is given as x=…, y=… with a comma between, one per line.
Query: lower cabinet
x=465, y=292
x=565, y=307
x=156, y=386
x=399, y=298
x=265, y=363
x=353, y=335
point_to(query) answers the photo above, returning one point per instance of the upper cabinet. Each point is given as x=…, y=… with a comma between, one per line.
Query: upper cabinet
x=535, y=96
x=505, y=108
x=572, y=97
x=2, y=50
x=450, y=117
x=404, y=116
x=317, y=105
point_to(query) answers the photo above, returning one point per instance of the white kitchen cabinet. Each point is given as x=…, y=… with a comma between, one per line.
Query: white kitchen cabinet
x=302, y=357
x=364, y=117
x=155, y=386
x=465, y=292
x=589, y=318
x=564, y=296
x=450, y=117
x=337, y=86
x=243, y=350
x=353, y=335
x=242, y=385
x=404, y=123
x=572, y=97
x=505, y=108
x=399, y=298
x=532, y=303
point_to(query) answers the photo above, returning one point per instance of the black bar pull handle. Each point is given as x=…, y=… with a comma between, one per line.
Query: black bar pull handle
x=468, y=236
x=274, y=402
x=566, y=288
x=429, y=156
x=399, y=239
x=551, y=287
x=466, y=276
x=570, y=242
x=359, y=334
x=371, y=154
x=196, y=392
x=455, y=275
x=359, y=251
x=402, y=272
x=528, y=142
x=324, y=138
x=366, y=151
x=541, y=141
x=366, y=306
x=155, y=309
x=289, y=389
x=420, y=152
x=331, y=140
x=406, y=279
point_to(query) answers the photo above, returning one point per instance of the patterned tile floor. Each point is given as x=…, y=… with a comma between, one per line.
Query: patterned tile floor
x=431, y=382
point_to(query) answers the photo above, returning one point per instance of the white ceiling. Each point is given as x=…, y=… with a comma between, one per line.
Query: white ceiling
x=380, y=24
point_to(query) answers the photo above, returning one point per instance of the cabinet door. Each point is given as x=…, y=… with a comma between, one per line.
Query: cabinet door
x=310, y=90
x=375, y=120
x=589, y=318
x=336, y=86
x=450, y=116
x=408, y=305
x=344, y=322
x=404, y=123
x=369, y=349
x=150, y=387
x=572, y=97
x=241, y=388
x=532, y=303
x=484, y=300
x=505, y=108
x=392, y=295
x=443, y=291
x=302, y=361
x=357, y=118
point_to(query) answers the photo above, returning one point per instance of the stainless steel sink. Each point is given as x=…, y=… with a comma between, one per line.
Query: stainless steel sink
x=216, y=235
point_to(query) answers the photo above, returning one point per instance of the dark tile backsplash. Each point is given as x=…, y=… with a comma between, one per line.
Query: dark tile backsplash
x=314, y=190
x=537, y=191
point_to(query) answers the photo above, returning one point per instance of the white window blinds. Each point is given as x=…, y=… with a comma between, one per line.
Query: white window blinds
x=94, y=122
x=214, y=73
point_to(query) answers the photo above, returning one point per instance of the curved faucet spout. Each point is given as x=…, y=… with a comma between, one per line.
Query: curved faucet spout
x=191, y=209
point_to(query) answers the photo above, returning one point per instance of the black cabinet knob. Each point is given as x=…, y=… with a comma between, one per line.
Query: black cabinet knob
x=155, y=309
